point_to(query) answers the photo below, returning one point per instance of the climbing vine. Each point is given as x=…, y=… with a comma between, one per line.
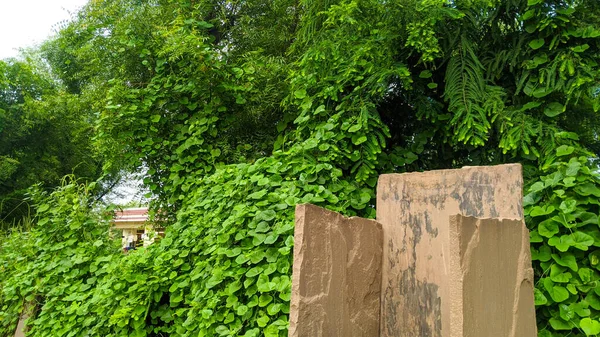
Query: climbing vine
x=562, y=210
x=235, y=112
x=53, y=269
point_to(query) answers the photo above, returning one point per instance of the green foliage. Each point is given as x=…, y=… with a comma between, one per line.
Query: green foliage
x=44, y=135
x=562, y=209
x=475, y=103
x=57, y=263
x=238, y=111
x=224, y=266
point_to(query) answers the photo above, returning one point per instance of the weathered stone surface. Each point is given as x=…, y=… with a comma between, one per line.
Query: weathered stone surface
x=414, y=210
x=491, y=279
x=20, y=332
x=336, y=281
x=22, y=329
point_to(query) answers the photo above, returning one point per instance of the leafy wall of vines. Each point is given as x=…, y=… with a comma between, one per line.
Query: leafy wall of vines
x=238, y=117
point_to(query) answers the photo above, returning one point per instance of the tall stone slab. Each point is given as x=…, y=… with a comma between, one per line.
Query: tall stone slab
x=414, y=210
x=336, y=281
x=491, y=279
x=22, y=328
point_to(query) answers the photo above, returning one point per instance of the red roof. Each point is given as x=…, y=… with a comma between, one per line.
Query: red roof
x=128, y=215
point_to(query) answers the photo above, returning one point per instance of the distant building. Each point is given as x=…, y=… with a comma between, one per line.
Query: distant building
x=134, y=227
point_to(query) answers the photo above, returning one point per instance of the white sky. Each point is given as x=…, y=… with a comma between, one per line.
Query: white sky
x=25, y=23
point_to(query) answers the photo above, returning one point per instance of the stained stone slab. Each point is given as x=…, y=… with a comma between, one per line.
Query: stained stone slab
x=336, y=281
x=491, y=278
x=414, y=210
x=22, y=329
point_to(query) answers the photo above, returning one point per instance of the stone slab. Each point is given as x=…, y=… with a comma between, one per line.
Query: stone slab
x=22, y=328
x=414, y=210
x=336, y=281
x=491, y=278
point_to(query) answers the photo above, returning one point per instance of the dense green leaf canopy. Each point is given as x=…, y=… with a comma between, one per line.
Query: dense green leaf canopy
x=44, y=135
x=239, y=110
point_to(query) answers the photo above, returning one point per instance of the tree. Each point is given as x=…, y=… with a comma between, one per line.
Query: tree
x=44, y=135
